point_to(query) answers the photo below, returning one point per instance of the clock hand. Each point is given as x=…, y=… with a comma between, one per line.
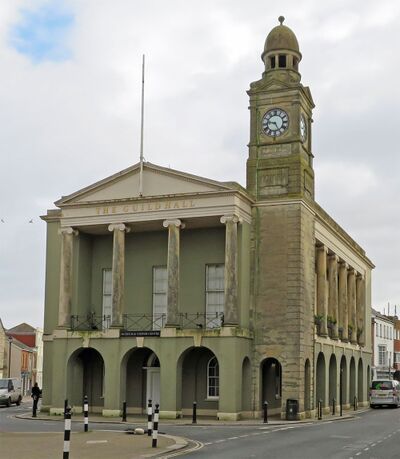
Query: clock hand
x=273, y=122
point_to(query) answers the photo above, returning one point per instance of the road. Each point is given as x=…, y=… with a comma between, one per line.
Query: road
x=374, y=434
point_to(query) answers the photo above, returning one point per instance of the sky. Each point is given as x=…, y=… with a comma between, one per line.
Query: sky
x=70, y=88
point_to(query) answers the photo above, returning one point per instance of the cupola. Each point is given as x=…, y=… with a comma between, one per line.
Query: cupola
x=281, y=49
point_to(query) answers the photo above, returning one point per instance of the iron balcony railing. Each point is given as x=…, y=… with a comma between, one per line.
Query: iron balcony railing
x=90, y=322
x=145, y=322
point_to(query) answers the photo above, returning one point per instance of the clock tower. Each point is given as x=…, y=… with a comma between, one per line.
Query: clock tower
x=280, y=155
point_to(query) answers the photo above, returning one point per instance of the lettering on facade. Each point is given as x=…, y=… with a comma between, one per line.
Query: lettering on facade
x=273, y=181
x=145, y=207
x=275, y=151
x=133, y=333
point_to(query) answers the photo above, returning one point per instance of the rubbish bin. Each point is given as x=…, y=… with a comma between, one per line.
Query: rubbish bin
x=292, y=408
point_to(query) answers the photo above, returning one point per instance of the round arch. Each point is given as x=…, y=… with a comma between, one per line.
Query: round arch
x=271, y=384
x=352, y=381
x=333, y=379
x=343, y=380
x=320, y=382
x=360, y=378
x=85, y=376
x=198, y=374
x=246, y=385
x=307, y=385
x=140, y=379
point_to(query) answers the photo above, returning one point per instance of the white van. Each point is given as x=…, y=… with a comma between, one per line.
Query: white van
x=10, y=391
x=384, y=392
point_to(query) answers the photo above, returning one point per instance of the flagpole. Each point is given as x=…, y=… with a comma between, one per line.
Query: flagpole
x=141, y=135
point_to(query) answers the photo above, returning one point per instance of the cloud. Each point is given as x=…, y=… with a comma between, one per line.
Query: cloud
x=41, y=33
x=70, y=111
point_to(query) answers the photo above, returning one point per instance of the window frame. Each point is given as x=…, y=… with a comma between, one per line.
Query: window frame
x=214, y=378
x=159, y=294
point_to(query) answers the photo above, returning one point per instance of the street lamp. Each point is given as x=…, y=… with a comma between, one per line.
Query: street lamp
x=9, y=355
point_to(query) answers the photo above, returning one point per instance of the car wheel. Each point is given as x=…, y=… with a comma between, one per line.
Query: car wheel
x=9, y=401
x=18, y=402
x=372, y=406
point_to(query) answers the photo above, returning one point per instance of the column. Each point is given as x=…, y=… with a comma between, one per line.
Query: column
x=66, y=272
x=360, y=306
x=231, y=316
x=343, y=317
x=322, y=307
x=333, y=304
x=174, y=227
x=351, y=302
x=118, y=272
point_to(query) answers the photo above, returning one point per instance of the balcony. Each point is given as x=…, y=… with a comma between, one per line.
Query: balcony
x=147, y=322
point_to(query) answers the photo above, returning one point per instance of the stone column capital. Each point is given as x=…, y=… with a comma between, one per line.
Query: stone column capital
x=360, y=276
x=229, y=218
x=322, y=248
x=119, y=227
x=343, y=264
x=176, y=222
x=68, y=230
x=334, y=257
x=351, y=271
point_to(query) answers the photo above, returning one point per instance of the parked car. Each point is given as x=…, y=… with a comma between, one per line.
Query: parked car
x=384, y=392
x=10, y=391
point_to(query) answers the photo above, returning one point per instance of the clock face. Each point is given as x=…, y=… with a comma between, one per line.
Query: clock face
x=303, y=128
x=275, y=122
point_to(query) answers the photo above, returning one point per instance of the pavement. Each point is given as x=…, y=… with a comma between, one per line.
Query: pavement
x=118, y=443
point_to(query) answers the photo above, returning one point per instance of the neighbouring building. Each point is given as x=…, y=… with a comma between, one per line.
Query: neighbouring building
x=31, y=337
x=383, y=333
x=167, y=286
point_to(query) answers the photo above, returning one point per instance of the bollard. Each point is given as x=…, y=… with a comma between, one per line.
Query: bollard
x=319, y=409
x=194, y=416
x=333, y=406
x=124, y=412
x=149, y=418
x=65, y=406
x=35, y=404
x=265, y=409
x=86, y=413
x=155, y=426
x=355, y=403
x=67, y=432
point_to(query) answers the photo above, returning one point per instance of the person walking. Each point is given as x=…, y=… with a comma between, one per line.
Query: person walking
x=36, y=394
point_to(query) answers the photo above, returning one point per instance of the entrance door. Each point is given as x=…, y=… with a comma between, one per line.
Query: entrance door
x=153, y=385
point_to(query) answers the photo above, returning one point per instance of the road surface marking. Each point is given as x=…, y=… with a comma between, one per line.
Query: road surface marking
x=92, y=442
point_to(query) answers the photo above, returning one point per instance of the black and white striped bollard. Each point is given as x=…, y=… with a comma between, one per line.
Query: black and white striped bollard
x=194, y=416
x=149, y=418
x=155, y=427
x=67, y=432
x=86, y=413
x=124, y=412
x=65, y=406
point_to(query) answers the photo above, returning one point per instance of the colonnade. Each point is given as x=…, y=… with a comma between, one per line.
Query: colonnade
x=174, y=226
x=340, y=297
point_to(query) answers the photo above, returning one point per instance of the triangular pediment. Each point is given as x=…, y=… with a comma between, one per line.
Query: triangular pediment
x=157, y=181
x=270, y=84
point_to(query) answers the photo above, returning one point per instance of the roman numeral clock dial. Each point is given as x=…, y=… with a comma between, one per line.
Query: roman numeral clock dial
x=275, y=122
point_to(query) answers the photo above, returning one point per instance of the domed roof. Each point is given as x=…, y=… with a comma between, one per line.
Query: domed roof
x=281, y=37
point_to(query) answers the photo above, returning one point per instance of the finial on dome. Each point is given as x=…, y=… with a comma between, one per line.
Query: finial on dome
x=281, y=19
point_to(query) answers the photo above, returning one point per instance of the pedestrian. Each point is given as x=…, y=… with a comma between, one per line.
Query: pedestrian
x=36, y=394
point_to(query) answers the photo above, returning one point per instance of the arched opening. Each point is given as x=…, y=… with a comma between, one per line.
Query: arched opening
x=360, y=388
x=271, y=385
x=333, y=380
x=320, y=382
x=246, y=385
x=352, y=380
x=200, y=381
x=307, y=385
x=343, y=380
x=140, y=379
x=86, y=377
